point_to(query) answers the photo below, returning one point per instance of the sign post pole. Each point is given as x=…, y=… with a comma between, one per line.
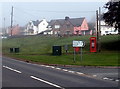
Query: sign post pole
x=74, y=55
x=78, y=44
x=81, y=53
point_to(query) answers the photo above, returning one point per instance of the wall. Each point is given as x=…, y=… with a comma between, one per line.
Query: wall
x=42, y=26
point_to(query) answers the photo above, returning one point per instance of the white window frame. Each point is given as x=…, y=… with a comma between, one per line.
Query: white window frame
x=57, y=26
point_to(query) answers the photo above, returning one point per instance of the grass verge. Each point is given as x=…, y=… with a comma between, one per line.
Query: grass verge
x=88, y=59
x=39, y=49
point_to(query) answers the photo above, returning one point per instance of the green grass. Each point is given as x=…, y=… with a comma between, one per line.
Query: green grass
x=39, y=49
x=39, y=44
x=89, y=59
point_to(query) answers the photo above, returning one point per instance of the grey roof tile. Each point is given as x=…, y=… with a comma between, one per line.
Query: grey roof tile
x=74, y=21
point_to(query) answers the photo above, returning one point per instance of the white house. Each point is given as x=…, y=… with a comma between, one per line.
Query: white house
x=36, y=27
x=107, y=30
x=47, y=32
x=42, y=26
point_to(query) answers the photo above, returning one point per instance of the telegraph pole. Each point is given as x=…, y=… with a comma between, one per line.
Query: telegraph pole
x=11, y=20
x=97, y=31
x=4, y=31
x=98, y=28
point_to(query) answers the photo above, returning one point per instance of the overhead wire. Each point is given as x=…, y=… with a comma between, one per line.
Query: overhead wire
x=25, y=12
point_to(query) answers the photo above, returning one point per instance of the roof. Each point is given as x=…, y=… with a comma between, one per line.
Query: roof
x=77, y=21
x=74, y=21
x=37, y=22
x=47, y=31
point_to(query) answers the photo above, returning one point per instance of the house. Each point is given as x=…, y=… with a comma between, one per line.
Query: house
x=36, y=27
x=69, y=26
x=107, y=30
x=47, y=32
x=15, y=30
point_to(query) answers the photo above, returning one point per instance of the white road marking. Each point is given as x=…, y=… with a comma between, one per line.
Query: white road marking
x=47, y=66
x=46, y=82
x=58, y=68
x=64, y=70
x=79, y=73
x=94, y=75
x=111, y=79
x=71, y=71
x=42, y=65
x=12, y=69
x=105, y=78
x=117, y=80
x=52, y=67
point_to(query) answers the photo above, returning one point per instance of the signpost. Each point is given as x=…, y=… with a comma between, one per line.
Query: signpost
x=77, y=44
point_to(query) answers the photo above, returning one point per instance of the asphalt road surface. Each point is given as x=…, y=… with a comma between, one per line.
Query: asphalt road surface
x=106, y=73
x=22, y=74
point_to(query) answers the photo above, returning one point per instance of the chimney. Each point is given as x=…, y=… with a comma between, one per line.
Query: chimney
x=66, y=18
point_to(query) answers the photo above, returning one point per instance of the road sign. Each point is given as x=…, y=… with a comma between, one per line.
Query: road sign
x=78, y=44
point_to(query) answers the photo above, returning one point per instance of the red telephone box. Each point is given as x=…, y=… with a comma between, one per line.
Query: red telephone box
x=93, y=44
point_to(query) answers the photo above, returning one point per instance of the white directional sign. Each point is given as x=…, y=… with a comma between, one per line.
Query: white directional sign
x=78, y=44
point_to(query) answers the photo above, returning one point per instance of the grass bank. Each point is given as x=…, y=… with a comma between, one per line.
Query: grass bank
x=39, y=49
x=88, y=59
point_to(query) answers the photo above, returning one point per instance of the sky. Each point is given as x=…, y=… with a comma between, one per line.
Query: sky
x=25, y=11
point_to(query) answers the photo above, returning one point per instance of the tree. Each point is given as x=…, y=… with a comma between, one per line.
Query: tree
x=91, y=25
x=112, y=16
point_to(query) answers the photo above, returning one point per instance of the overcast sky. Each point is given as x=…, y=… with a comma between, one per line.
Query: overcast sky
x=26, y=11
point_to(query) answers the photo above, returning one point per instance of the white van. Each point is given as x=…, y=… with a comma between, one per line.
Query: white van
x=109, y=32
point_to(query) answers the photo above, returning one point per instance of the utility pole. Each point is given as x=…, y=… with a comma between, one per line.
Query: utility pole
x=97, y=31
x=4, y=30
x=11, y=20
x=98, y=28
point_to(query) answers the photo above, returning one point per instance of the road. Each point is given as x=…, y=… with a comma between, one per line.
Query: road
x=107, y=73
x=22, y=74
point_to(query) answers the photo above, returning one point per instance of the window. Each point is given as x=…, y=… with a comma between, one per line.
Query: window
x=55, y=32
x=106, y=31
x=77, y=32
x=43, y=23
x=57, y=26
x=84, y=26
x=30, y=23
x=67, y=32
x=68, y=25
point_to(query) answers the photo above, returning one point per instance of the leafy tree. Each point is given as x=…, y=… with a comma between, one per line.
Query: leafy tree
x=112, y=16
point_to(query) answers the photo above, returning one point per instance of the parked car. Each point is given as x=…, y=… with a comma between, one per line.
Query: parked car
x=112, y=32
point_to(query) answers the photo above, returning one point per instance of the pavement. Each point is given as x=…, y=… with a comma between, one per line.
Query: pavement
x=106, y=73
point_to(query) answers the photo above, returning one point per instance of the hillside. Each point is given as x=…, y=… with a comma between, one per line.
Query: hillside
x=43, y=44
x=39, y=49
